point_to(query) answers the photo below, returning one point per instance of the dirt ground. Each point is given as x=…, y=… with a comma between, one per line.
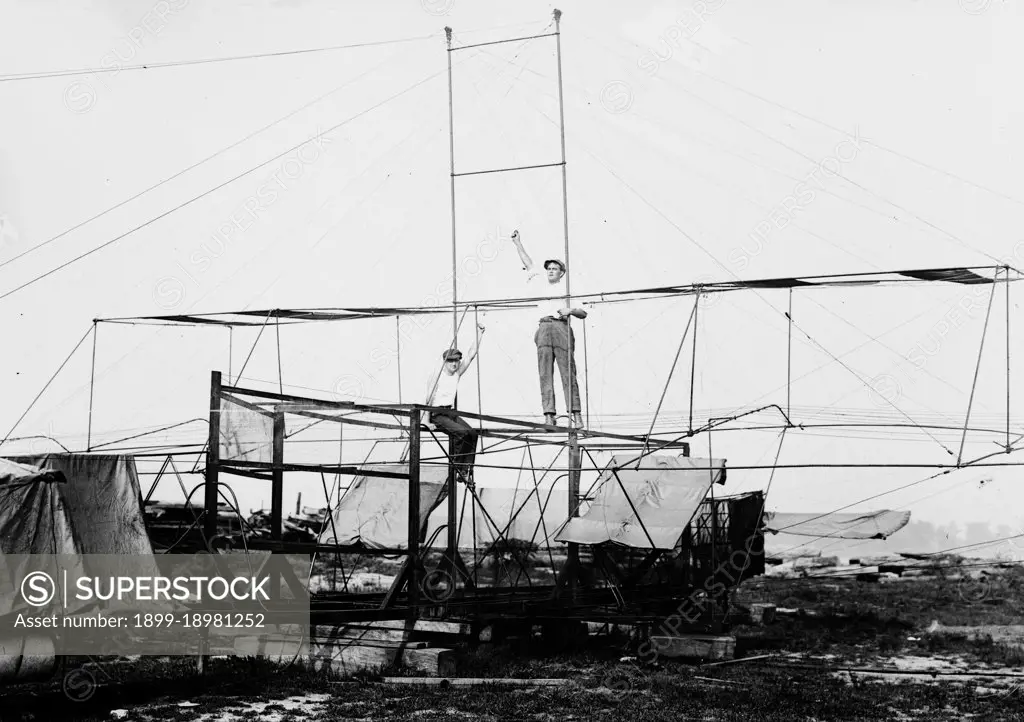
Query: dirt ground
x=908, y=649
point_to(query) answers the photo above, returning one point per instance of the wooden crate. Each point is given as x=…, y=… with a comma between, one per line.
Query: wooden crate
x=694, y=646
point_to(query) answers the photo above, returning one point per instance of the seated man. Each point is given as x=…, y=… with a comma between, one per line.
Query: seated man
x=442, y=394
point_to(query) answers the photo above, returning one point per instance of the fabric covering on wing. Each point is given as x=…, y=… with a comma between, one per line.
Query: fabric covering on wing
x=375, y=510
x=663, y=495
x=874, y=525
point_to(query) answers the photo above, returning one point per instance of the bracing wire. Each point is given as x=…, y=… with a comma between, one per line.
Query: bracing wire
x=195, y=165
x=206, y=61
x=219, y=186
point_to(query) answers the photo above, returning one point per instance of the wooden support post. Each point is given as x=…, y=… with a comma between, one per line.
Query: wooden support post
x=453, y=510
x=277, y=500
x=414, y=513
x=573, y=559
x=212, y=460
x=277, y=482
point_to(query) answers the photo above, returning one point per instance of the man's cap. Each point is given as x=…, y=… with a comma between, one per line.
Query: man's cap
x=452, y=354
x=554, y=260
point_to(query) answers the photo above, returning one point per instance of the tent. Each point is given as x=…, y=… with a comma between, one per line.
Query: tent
x=55, y=510
x=103, y=499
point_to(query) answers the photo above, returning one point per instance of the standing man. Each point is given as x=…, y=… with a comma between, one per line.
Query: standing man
x=554, y=337
x=443, y=391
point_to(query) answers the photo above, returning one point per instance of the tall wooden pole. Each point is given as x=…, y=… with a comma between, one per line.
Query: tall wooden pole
x=574, y=450
x=452, y=501
x=1006, y=272
x=212, y=460
x=277, y=480
x=414, y=512
x=693, y=358
x=451, y=153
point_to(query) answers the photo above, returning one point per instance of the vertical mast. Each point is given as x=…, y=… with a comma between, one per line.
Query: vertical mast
x=574, y=451
x=451, y=150
x=561, y=129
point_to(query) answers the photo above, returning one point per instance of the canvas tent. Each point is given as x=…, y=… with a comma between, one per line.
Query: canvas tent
x=63, y=506
x=104, y=500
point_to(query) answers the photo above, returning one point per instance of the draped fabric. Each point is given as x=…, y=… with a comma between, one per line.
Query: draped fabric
x=375, y=510
x=103, y=498
x=876, y=525
x=647, y=507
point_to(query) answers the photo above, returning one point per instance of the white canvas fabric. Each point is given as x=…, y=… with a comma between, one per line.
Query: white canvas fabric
x=875, y=525
x=664, y=497
x=375, y=510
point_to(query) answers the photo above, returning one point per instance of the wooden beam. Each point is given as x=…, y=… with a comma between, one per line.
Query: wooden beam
x=212, y=460
x=694, y=646
x=277, y=481
x=425, y=625
x=326, y=468
x=345, y=405
x=396, y=586
x=414, y=514
x=365, y=635
x=476, y=681
x=638, y=574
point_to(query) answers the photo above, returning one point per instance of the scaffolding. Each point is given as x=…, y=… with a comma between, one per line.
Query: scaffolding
x=435, y=579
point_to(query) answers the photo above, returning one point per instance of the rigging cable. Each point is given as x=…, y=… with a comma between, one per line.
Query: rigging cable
x=727, y=270
x=47, y=385
x=197, y=163
x=221, y=185
x=742, y=122
x=203, y=61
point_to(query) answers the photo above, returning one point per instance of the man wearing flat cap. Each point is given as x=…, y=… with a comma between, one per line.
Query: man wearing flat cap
x=442, y=394
x=554, y=337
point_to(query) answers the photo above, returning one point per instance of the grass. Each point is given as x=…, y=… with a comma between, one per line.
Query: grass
x=601, y=689
x=857, y=622
x=951, y=597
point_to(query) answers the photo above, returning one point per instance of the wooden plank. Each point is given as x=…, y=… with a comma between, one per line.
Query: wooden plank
x=695, y=646
x=325, y=647
x=476, y=681
x=272, y=645
x=422, y=625
x=394, y=636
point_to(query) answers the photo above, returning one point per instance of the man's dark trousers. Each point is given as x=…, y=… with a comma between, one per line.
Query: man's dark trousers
x=555, y=343
x=463, y=439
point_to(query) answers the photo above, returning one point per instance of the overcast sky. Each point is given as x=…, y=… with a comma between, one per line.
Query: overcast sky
x=705, y=141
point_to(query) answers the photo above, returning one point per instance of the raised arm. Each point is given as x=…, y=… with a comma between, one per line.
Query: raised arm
x=523, y=255
x=471, y=354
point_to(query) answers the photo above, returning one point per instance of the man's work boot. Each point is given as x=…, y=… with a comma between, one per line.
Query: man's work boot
x=550, y=420
x=577, y=420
